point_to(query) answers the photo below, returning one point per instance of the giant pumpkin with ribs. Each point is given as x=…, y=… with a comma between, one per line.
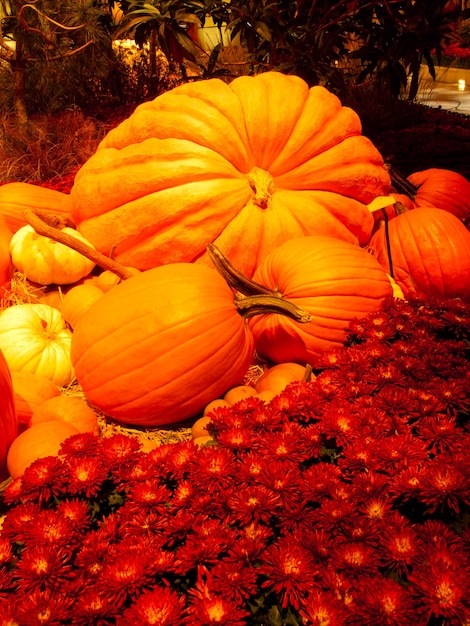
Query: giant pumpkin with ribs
x=244, y=165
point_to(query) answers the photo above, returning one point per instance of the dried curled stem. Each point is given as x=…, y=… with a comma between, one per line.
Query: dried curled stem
x=46, y=229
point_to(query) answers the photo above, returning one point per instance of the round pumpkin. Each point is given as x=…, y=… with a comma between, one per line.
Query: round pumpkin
x=46, y=261
x=78, y=300
x=35, y=338
x=277, y=377
x=30, y=391
x=443, y=189
x=37, y=442
x=159, y=346
x=8, y=418
x=246, y=165
x=427, y=251
x=71, y=409
x=333, y=280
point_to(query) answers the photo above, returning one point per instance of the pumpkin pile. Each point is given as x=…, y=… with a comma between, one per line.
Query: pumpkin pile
x=219, y=224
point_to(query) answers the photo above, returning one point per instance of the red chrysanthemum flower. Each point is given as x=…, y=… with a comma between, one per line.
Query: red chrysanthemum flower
x=440, y=433
x=160, y=606
x=252, y=540
x=50, y=528
x=406, y=484
x=43, y=567
x=90, y=559
x=76, y=512
x=18, y=519
x=355, y=558
x=445, y=482
x=125, y=573
x=322, y=608
x=236, y=439
x=335, y=515
x=6, y=552
x=209, y=540
x=142, y=524
x=43, y=607
x=6, y=583
x=140, y=468
x=13, y=491
x=83, y=444
x=319, y=480
x=43, y=479
x=94, y=607
x=119, y=449
x=207, y=608
x=290, y=571
x=399, y=545
x=234, y=581
x=441, y=593
x=147, y=495
x=215, y=469
x=85, y=475
x=284, y=446
x=397, y=452
x=180, y=459
x=253, y=503
x=383, y=602
x=282, y=479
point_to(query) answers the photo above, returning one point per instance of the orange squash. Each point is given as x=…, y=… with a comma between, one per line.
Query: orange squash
x=30, y=391
x=78, y=300
x=71, y=409
x=17, y=196
x=39, y=441
x=8, y=419
x=246, y=165
x=277, y=377
x=443, y=189
x=158, y=347
x=333, y=280
x=427, y=251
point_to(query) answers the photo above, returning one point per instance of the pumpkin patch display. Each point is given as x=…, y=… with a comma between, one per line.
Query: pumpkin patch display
x=427, y=251
x=8, y=418
x=333, y=280
x=45, y=261
x=35, y=338
x=156, y=348
x=245, y=165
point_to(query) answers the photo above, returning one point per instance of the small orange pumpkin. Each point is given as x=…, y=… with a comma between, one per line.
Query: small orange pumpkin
x=70, y=409
x=78, y=300
x=34, y=443
x=277, y=377
x=30, y=391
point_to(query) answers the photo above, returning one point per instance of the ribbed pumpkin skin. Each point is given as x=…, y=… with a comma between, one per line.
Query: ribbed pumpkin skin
x=333, y=280
x=17, y=196
x=8, y=419
x=159, y=346
x=443, y=189
x=6, y=268
x=430, y=251
x=245, y=166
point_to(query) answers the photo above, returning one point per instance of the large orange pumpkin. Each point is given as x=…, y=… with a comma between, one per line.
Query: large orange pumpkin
x=8, y=419
x=6, y=268
x=427, y=250
x=245, y=165
x=333, y=280
x=159, y=346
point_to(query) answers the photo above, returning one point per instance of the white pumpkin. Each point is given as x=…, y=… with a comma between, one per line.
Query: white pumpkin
x=35, y=338
x=45, y=261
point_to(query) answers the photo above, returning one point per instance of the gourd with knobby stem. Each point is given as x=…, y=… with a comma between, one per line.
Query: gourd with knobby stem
x=333, y=280
x=155, y=349
x=45, y=261
x=245, y=165
x=8, y=419
x=17, y=197
x=427, y=251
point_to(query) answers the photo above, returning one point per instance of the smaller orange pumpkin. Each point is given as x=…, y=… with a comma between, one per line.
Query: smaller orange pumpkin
x=78, y=300
x=30, y=391
x=70, y=409
x=276, y=378
x=37, y=442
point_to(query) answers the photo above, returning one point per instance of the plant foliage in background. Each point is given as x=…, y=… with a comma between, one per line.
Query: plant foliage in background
x=343, y=501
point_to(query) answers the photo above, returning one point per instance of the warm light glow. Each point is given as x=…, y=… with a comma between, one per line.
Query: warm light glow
x=461, y=84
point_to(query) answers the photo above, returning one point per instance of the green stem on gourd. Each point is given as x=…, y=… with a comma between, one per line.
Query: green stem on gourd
x=234, y=278
x=249, y=306
x=46, y=230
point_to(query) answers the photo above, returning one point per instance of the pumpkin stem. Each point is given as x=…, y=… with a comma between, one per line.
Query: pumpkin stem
x=46, y=230
x=402, y=184
x=249, y=306
x=234, y=278
x=262, y=187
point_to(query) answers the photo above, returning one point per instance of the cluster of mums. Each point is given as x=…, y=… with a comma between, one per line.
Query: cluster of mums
x=341, y=501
